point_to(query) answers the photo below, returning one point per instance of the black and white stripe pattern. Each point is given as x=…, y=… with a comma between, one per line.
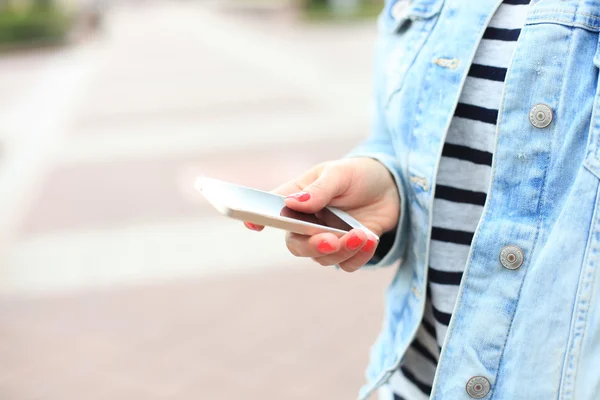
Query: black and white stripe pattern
x=461, y=186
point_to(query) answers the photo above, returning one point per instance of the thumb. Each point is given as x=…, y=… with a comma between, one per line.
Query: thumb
x=316, y=195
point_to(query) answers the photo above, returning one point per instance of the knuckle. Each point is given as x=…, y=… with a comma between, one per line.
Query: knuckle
x=319, y=187
x=336, y=166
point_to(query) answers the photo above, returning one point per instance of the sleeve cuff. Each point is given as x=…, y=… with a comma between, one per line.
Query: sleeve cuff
x=393, y=243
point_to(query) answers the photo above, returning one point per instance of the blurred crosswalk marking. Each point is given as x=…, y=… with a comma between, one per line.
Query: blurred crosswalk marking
x=34, y=129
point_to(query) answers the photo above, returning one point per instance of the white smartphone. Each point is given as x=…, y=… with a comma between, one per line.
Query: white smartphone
x=269, y=209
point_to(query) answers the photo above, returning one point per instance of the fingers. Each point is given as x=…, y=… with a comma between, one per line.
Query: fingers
x=288, y=188
x=253, y=227
x=312, y=246
x=350, y=252
x=312, y=191
x=350, y=244
x=361, y=257
x=319, y=192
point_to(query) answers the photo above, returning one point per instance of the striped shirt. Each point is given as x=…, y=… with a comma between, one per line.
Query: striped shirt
x=461, y=187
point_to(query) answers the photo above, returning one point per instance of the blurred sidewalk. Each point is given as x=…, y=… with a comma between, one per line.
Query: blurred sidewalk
x=117, y=280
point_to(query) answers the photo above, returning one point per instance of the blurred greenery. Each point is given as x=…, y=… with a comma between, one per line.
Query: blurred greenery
x=320, y=10
x=41, y=22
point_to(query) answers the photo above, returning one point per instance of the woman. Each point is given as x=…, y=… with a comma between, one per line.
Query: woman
x=481, y=173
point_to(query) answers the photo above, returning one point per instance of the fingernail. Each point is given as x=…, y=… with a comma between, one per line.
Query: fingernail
x=354, y=242
x=250, y=225
x=370, y=245
x=300, y=196
x=325, y=247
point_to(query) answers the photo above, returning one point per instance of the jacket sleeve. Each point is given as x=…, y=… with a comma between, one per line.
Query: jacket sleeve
x=379, y=146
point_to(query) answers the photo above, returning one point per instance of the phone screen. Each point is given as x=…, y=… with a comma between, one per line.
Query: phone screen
x=324, y=217
x=252, y=200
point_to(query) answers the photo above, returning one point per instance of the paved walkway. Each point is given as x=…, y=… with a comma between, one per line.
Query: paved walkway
x=117, y=280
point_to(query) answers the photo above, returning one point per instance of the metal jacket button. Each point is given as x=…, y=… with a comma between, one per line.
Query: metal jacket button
x=511, y=257
x=540, y=116
x=478, y=387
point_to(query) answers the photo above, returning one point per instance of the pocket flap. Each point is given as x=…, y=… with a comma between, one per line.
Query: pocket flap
x=397, y=12
x=423, y=9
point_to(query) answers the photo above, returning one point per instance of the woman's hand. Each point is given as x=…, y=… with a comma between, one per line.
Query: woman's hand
x=364, y=188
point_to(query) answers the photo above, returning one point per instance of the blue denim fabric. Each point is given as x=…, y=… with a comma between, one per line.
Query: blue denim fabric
x=533, y=332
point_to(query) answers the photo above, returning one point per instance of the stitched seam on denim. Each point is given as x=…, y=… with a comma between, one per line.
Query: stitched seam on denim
x=564, y=11
x=596, y=122
x=430, y=27
x=570, y=371
x=419, y=112
x=427, y=85
x=421, y=13
x=384, y=376
x=531, y=252
x=596, y=127
x=427, y=11
x=389, y=162
x=567, y=359
x=536, y=21
x=540, y=207
x=461, y=288
x=414, y=49
x=587, y=279
x=565, y=380
x=591, y=156
x=592, y=151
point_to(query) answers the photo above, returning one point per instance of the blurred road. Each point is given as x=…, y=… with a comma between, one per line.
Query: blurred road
x=117, y=280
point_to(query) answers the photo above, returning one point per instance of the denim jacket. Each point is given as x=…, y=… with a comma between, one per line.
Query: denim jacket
x=533, y=331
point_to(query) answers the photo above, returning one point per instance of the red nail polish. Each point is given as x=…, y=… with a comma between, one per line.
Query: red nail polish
x=300, y=196
x=250, y=225
x=354, y=242
x=325, y=247
x=370, y=245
